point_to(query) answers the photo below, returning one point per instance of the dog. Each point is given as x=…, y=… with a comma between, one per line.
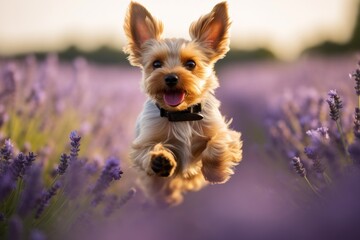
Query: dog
x=182, y=140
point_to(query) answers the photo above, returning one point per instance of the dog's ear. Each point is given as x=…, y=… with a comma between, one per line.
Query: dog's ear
x=212, y=31
x=139, y=27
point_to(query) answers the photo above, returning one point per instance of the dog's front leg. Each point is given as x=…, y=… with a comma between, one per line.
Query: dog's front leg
x=154, y=160
x=221, y=155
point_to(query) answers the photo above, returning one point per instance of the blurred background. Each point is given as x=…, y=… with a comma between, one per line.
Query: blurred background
x=262, y=28
x=62, y=68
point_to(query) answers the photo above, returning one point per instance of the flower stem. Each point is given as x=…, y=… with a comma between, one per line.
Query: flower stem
x=312, y=187
x=339, y=127
x=327, y=178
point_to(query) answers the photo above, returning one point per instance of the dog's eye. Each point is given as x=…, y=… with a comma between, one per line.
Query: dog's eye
x=157, y=64
x=190, y=64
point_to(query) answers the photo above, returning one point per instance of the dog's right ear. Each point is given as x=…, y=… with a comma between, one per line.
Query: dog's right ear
x=139, y=27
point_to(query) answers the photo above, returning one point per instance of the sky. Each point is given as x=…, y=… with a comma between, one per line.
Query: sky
x=286, y=27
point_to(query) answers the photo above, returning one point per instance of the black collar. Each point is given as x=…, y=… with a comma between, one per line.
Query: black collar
x=190, y=114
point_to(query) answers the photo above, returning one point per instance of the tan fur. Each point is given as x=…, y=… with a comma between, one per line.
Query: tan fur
x=191, y=153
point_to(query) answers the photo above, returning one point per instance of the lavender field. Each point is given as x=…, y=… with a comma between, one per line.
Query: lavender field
x=298, y=179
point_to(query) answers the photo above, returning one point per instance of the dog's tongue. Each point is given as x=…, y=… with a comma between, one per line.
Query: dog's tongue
x=174, y=98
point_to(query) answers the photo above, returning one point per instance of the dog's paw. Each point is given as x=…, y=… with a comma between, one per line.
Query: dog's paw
x=162, y=165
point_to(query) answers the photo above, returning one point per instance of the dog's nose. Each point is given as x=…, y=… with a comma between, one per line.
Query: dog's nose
x=171, y=80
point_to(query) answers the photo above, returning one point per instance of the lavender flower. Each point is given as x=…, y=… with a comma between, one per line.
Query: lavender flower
x=334, y=111
x=21, y=177
x=30, y=193
x=114, y=204
x=37, y=95
x=45, y=199
x=111, y=204
x=356, y=76
x=110, y=172
x=75, y=146
x=357, y=123
x=318, y=166
x=16, y=228
x=298, y=166
x=129, y=195
x=64, y=159
x=319, y=134
x=37, y=235
x=29, y=159
x=311, y=152
x=92, y=167
x=6, y=151
x=17, y=166
x=335, y=105
x=74, y=179
x=5, y=155
x=10, y=77
x=7, y=184
x=334, y=95
x=314, y=154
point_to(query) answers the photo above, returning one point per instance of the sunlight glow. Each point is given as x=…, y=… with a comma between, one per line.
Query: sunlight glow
x=285, y=27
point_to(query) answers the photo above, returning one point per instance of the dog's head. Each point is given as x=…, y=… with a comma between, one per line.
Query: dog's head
x=177, y=73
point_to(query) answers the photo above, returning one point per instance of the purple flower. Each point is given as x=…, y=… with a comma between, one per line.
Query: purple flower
x=110, y=172
x=113, y=202
x=32, y=188
x=321, y=134
x=7, y=184
x=318, y=166
x=334, y=112
x=311, y=152
x=110, y=206
x=29, y=159
x=64, y=159
x=298, y=166
x=335, y=104
x=357, y=123
x=74, y=179
x=92, y=167
x=6, y=151
x=37, y=235
x=332, y=93
x=16, y=228
x=45, y=198
x=10, y=77
x=18, y=166
x=124, y=199
x=74, y=146
x=356, y=76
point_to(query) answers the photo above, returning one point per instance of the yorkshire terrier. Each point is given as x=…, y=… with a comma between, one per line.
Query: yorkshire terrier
x=182, y=140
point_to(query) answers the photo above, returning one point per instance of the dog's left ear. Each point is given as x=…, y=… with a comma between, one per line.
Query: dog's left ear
x=212, y=31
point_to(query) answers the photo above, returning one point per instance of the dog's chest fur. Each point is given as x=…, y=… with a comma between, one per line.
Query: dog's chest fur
x=186, y=140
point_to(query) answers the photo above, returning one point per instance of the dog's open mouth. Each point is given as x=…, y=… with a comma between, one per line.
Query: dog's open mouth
x=174, y=98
